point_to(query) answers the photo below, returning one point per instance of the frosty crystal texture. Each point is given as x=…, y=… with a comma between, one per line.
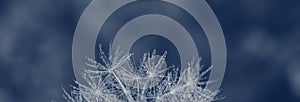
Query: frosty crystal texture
x=118, y=79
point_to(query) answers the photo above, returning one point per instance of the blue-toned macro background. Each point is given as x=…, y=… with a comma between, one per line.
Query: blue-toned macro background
x=262, y=37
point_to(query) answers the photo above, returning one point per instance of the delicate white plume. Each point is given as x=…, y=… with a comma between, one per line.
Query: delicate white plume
x=118, y=79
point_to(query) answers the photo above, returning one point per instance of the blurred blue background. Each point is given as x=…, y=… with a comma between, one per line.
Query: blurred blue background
x=262, y=37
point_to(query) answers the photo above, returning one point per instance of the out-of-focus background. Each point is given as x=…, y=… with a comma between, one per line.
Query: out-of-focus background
x=262, y=37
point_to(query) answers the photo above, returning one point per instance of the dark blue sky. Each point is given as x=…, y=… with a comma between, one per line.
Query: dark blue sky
x=262, y=38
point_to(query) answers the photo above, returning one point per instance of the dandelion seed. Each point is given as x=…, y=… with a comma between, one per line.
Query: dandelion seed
x=118, y=80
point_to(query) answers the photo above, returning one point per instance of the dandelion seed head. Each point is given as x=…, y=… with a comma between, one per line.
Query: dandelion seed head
x=117, y=79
